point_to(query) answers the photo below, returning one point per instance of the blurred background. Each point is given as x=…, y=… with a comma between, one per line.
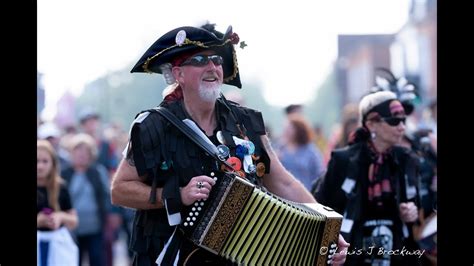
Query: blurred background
x=321, y=54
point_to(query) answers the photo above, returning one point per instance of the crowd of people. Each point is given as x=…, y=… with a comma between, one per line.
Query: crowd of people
x=94, y=183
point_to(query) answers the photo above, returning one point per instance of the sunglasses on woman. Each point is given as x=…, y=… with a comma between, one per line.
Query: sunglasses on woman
x=203, y=60
x=394, y=120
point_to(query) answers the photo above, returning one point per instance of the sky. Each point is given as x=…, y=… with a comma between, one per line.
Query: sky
x=291, y=46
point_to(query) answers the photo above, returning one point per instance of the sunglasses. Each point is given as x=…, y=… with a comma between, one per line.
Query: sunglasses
x=394, y=121
x=203, y=60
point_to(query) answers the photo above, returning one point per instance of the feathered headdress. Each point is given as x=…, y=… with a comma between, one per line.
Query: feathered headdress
x=406, y=91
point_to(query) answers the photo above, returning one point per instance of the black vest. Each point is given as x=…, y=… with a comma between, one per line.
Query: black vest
x=169, y=159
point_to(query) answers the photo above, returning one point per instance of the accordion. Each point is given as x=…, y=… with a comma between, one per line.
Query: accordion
x=249, y=226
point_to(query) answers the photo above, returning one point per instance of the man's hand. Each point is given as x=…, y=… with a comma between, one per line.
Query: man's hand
x=340, y=257
x=198, y=188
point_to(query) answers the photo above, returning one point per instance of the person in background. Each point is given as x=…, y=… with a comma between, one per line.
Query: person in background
x=54, y=210
x=88, y=184
x=298, y=153
x=50, y=132
x=350, y=122
x=90, y=123
x=294, y=109
x=374, y=182
x=320, y=140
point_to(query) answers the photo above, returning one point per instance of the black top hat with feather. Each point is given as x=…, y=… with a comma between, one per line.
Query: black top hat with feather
x=184, y=41
x=406, y=91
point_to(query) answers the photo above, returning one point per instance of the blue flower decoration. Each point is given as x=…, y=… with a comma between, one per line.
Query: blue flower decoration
x=241, y=151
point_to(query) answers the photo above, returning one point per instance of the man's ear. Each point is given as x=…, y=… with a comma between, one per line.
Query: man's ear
x=177, y=73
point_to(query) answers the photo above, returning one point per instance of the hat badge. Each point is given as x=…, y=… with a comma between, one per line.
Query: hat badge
x=180, y=37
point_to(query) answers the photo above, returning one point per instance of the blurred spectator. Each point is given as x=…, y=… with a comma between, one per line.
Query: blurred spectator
x=294, y=108
x=90, y=124
x=107, y=156
x=430, y=118
x=55, y=214
x=89, y=186
x=319, y=139
x=118, y=138
x=297, y=151
x=50, y=132
x=420, y=144
x=349, y=123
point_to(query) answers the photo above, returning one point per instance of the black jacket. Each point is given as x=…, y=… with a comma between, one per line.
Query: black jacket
x=352, y=162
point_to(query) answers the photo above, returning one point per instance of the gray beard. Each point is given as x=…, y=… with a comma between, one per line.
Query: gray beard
x=209, y=93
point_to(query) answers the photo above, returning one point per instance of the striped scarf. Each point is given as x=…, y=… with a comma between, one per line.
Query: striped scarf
x=379, y=188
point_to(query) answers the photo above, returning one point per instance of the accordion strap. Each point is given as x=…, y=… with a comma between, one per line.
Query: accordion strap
x=212, y=151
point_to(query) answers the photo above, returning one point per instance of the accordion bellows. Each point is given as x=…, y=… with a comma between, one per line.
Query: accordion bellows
x=249, y=226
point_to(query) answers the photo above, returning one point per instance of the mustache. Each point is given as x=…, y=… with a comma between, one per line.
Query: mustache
x=212, y=76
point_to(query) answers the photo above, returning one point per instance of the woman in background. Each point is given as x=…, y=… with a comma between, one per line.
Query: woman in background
x=373, y=182
x=55, y=214
x=298, y=153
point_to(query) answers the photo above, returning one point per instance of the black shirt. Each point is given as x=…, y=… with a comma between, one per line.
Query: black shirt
x=42, y=201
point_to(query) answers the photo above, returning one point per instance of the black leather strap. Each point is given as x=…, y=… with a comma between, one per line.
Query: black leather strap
x=211, y=150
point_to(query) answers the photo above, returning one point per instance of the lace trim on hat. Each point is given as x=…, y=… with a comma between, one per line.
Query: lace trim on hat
x=199, y=44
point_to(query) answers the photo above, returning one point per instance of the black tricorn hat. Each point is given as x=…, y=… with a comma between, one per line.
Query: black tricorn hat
x=186, y=40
